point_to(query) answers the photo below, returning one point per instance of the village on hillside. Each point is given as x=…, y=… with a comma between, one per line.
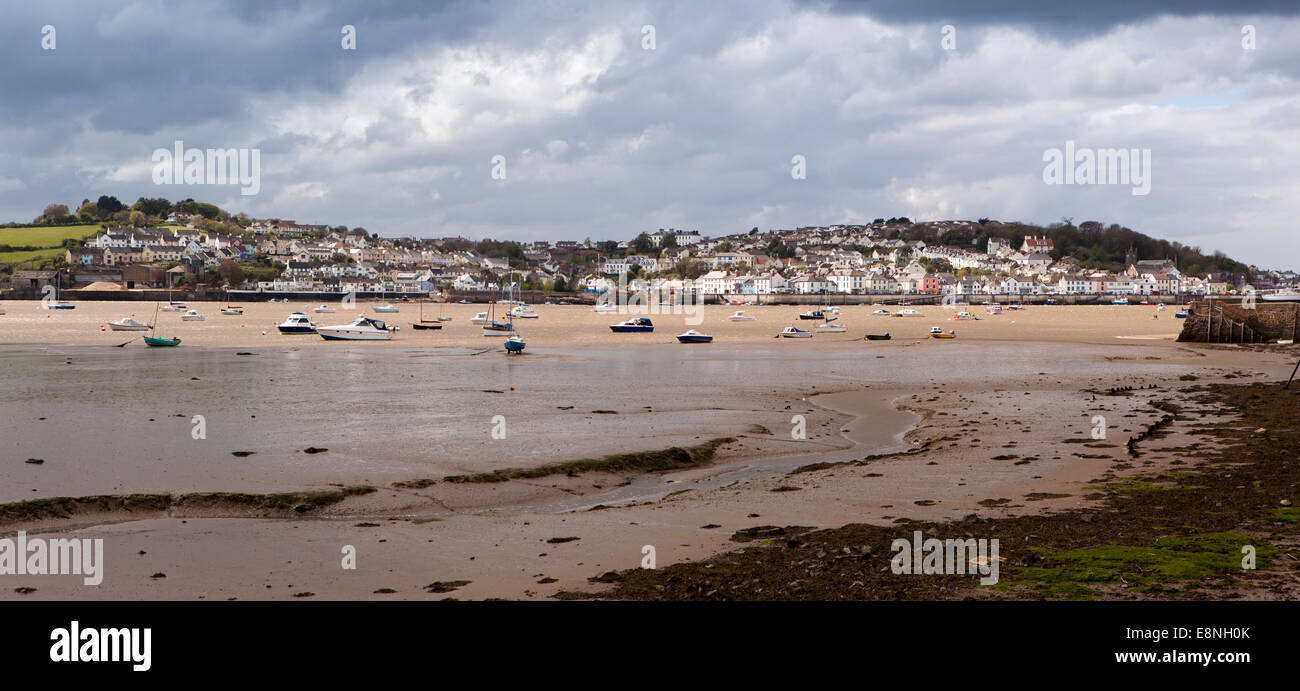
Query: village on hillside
x=277, y=255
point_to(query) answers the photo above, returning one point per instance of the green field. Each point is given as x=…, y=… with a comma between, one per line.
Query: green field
x=7, y=258
x=43, y=236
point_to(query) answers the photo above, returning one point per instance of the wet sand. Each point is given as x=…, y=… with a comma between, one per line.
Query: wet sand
x=396, y=413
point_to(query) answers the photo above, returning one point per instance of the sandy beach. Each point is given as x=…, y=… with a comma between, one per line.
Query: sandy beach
x=945, y=428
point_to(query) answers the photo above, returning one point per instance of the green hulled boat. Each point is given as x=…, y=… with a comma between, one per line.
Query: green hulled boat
x=159, y=342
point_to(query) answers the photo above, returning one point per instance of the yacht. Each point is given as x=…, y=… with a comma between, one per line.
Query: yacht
x=740, y=316
x=1018, y=306
x=813, y=314
x=693, y=336
x=1287, y=295
x=297, y=323
x=363, y=328
x=127, y=324
x=479, y=318
x=232, y=310
x=634, y=325
x=831, y=327
x=498, y=329
x=192, y=316
x=795, y=332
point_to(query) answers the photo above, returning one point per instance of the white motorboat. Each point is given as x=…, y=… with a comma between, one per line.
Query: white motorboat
x=1286, y=295
x=126, y=324
x=387, y=308
x=994, y=309
x=324, y=309
x=831, y=327
x=909, y=312
x=192, y=316
x=479, y=318
x=740, y=316
x=881, y=313
x=174, y=307
x=515, y=345
x=297, y=323
x=605, y=308
x=523, y=311
x=693, y=336
x=232, y=310
x=362, y=328
x=963, y=316
x=795, y=332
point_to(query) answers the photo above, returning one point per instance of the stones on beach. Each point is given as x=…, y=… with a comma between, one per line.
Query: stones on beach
x=314, y=449
x=24, y=590
x=561, y=540
x=384, y=591
x=35, y=461
x=445, y=586
x=242, y=454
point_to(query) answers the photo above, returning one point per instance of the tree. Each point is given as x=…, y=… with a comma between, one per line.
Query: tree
x=138, y=219
x=724, y=246
x=108, y=206
x=55, y=210
x=157, y=207
x=669, y=240
x=643, y=244
x=88, y=212
x=231, y=272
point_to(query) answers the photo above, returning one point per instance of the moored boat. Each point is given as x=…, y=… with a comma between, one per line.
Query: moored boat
x=878, y=337
x=795, y=332
x=297, y=323
x=813, y=314
x=514, y=345
x=881, y=313
x=936, y=332
x=387, y=308
x=634, y=325
x=324, y=309
x=693, y=336
x=831, y=327
x=192, y=316
x=740, y=316
x=362, y=328
x=128, y=324
x=161, y=342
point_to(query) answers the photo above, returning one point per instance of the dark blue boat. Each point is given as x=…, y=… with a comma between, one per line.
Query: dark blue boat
x=636, y=325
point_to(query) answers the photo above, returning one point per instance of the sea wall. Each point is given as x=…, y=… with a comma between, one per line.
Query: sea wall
x=1214, y=321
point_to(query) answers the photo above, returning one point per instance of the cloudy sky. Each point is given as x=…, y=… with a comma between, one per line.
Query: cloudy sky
x=615, y=117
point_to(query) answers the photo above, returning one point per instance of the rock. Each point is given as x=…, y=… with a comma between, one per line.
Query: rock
x=561, y=540
x=35, y=461
x=313, y=449
x=445, y=586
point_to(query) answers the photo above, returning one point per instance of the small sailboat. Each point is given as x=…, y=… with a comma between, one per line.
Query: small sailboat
x=634, y=325
x=831, y=326
x=426, y=324
x=297, y=323
x=153, y=341
x=794, y=332
x=58, y=304
x=813, y=314
x=693, y=336
x=494, y=328
x=964, y=316
x=229, y=308
x=740, y=316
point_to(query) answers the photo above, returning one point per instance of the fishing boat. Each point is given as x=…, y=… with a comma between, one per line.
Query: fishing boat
x=297, y=323
x=192, y=316
x=740, y=316
x=813, y=314
x=362, y=328
x=324, y=309
x=795, y=332
x=387, y=308
x=514, y=345
x=936, y=332
x=881, y=313
x=634, y=325
x=878, y=337
x=128, y=324
x=1119, y=301
x=964, y=316
x=693, y=336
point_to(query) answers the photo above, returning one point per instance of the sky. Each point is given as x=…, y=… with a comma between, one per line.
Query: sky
x=569, y=120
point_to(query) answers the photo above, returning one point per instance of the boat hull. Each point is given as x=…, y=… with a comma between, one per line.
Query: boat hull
x=878, y=337
x=296, y=330
x=427, y=326
x=353, y=335
x=694, y=339
x=631, y=329
x=161, y=342
x=130, y=327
